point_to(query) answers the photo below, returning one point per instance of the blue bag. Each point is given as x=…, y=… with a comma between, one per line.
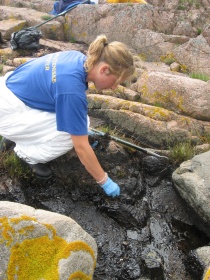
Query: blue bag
x=62, y=5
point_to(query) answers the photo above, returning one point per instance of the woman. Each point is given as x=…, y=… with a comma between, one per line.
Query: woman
x=43, y=105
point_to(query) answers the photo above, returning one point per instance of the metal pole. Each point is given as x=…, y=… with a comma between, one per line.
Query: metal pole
x=63, y=13
x=128, y=144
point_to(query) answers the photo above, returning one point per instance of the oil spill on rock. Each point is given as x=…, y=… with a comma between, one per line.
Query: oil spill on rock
x=146, y=233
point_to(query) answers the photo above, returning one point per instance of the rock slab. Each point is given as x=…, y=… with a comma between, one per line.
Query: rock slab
x=38, y=244
x=192, y=180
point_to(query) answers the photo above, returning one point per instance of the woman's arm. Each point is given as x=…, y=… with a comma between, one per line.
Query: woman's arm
x=88, y=157
x=92, y=165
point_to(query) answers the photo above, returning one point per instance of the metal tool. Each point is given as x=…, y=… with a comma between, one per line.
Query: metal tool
x=128, y=144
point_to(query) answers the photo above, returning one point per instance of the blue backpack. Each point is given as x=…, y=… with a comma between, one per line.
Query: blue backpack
x=62, y=5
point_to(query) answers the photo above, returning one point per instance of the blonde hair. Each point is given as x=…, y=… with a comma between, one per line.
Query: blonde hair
x=115, y=54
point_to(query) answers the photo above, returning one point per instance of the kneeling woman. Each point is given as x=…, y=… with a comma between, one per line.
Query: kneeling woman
x=43, y=105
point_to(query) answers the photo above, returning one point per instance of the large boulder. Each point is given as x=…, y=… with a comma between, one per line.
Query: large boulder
x=134, y=25
x=38, y=244
x=181, y=94
x=14, y=19
x=200, y=257
x=192, y=180
x=195, y=55
x=40, y=5
x=150, y=125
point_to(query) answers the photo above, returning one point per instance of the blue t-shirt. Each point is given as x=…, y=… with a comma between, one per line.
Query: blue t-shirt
x=55, y=83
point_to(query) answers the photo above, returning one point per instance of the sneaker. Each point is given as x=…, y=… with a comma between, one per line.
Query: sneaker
x=6, y=145
x=40, y=170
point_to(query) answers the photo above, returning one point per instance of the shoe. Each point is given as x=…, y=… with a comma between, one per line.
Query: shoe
x=40, y=170
x=6, y=145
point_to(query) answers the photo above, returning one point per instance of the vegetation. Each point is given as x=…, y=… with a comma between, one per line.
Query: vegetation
x=12, y=165
x=46, y=17
x=181, y=152
x=199, y=76
x=72, y=40
x=186, y=150
x=199, y=31
x=205, y=138
x=1, y=68
x=168, y=59
x=185, y=4
x=178, y=152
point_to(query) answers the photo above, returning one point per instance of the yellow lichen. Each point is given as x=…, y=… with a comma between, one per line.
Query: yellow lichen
x=142, y=56
x=207, y=275
x=158, y=114
x=79, y=275
x=25, y=230
x=22, y=218
x=168, y=58
x=38, y=258
x=184, y=68
x=126, y=1
x=7, y=231
x=167, y=97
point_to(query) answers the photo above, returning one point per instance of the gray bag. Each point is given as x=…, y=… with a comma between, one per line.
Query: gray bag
x=26, y=39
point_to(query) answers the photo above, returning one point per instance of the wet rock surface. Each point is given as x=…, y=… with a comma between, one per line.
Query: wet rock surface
x=148, y=231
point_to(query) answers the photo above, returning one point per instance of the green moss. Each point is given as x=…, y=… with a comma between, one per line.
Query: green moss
x=168, y=58
x=46, y=17
x=199, y=76
x=186, y=4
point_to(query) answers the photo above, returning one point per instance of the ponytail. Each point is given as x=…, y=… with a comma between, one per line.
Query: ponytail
x=115, y=54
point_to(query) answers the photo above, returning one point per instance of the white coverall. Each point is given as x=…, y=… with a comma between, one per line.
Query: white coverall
x=34, y=131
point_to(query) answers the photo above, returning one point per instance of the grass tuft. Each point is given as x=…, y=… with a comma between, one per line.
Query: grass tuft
x=199, y=76
x=181, y=152
x=12, y=165
x=46, y=17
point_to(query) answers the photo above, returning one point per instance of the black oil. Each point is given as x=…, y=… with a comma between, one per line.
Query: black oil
x=148, y=233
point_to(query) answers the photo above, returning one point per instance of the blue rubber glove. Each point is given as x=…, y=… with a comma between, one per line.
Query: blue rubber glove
x=111, y=188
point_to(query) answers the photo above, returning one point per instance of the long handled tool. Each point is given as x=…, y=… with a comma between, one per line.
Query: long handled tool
x=28, y=38
x=128, y=144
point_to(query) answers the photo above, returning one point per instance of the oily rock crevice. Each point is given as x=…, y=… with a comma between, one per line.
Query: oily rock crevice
x=148, y=232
